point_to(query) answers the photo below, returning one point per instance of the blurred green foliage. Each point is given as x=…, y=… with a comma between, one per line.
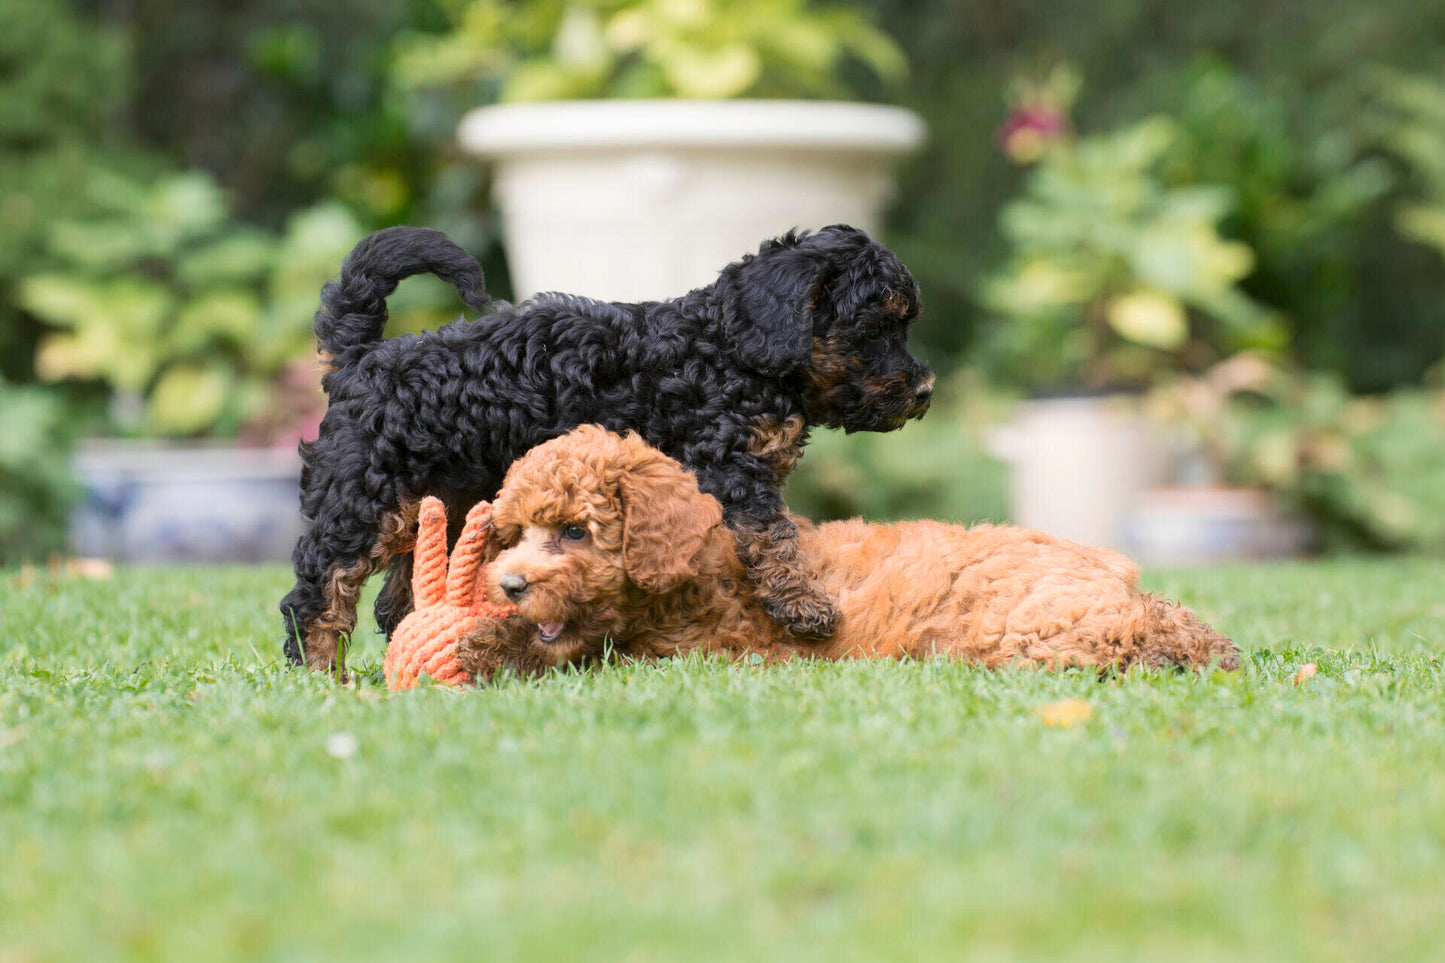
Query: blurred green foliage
x=1414, y=128
x=1115, y=277
x=63, y=88
x=568, y=49
x=934, y=468
x=1169, y=244
x=63, y=84
x=1301, y=206
x=154, y=156
x=36, y=490
x=170, y=302
x=1370, y=471
x=1291, y=113
x=290, y=102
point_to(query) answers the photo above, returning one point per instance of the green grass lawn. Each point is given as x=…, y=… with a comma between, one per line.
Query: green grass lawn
x=169, y=791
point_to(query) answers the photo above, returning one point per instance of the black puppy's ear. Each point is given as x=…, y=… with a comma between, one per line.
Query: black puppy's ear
x=770, y=323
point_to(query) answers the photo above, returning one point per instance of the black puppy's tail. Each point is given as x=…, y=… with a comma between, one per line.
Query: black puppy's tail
x=353, y=305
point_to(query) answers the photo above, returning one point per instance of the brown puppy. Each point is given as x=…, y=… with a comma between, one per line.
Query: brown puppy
x=611, y=548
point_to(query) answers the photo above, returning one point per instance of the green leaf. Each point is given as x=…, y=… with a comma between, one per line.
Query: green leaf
x=63, y=300
x=549, y=80
x=1202, y=203
x=62, y=356
x=1274, y=458
x=1183, y=258
x=230, y=315
x=116, y=192
x=183, y=207
x=119, y=338
x=579, y=43
x=1249, y=324
x=104, y=245
x=726, y=72
x=314, y=245
x=135, y=308
x=1039, y=285
x=188, y=398
x=96, y=351
x=1149, y=318
x=244, y=254
x=1424, y=223
x=31, y=421
x=874, y=47
x=1140, y=146
x=809, y=45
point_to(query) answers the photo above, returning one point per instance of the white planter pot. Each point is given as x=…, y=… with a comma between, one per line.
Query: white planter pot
x=1078, y=465
x=160, y=502
x=647, y=199
x=1193, y=526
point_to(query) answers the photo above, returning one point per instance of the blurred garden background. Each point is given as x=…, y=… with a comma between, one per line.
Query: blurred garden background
x=1234, y=220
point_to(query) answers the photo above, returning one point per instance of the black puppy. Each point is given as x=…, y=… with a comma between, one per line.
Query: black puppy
x=727, y=379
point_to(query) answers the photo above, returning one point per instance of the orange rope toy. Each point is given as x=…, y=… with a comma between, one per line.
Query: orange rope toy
x=448, y=602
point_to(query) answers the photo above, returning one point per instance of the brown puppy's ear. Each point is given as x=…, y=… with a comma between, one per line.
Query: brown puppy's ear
x=665, y=519
x=504, y=534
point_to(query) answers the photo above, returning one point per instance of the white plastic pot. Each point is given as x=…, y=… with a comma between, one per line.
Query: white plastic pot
x=1079, y=465
x=647, y=199
x=174, y=502
x=1199, y=525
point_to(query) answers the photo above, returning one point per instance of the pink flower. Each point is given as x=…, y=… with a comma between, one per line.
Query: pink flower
x=1029, y=130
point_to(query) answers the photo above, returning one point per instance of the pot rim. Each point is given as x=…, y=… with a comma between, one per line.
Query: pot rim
x=503, y=130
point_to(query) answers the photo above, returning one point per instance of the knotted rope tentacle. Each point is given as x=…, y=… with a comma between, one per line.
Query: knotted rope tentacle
x=462, y=588
x=450, y=599
x=443, y=667
x=429, y=558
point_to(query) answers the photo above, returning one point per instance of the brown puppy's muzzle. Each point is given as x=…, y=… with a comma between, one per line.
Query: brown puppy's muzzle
x=514, y=585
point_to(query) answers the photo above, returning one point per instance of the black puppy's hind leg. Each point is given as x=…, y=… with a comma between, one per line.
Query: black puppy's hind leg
x=394, y=603
x=333, y=562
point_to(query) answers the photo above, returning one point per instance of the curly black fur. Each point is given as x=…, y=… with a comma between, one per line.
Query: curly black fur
x=727, y=379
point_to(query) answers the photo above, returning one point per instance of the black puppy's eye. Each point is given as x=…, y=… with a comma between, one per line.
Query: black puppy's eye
x=574, y=533
x=873, y=333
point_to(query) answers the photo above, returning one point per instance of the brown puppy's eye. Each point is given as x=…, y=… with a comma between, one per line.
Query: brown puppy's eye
x=574, y=533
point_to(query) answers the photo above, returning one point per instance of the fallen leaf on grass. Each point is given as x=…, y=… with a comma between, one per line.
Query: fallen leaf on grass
x=13, y=735
x=92, y=569
x=1069, y=712
x=1305, y=673
x=96, y=569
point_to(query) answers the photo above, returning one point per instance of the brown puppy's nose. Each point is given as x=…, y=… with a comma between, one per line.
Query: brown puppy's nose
x=514, y=584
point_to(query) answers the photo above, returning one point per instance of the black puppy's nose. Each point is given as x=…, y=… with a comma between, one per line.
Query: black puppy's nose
x=514, y=584
x=925, y=391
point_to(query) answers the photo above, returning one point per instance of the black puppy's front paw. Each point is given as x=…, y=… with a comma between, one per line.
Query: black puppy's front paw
x=807, y=613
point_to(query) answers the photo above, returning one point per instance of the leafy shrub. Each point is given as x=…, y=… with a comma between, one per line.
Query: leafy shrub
x=1303, y=206
x=35, y=485
x=1414, y=129
x=561, y=49
x=1357, y=299
x=171, y=303
x=66, y=79
x=1114, y=276
x=1369, y=470
x=933, y=468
